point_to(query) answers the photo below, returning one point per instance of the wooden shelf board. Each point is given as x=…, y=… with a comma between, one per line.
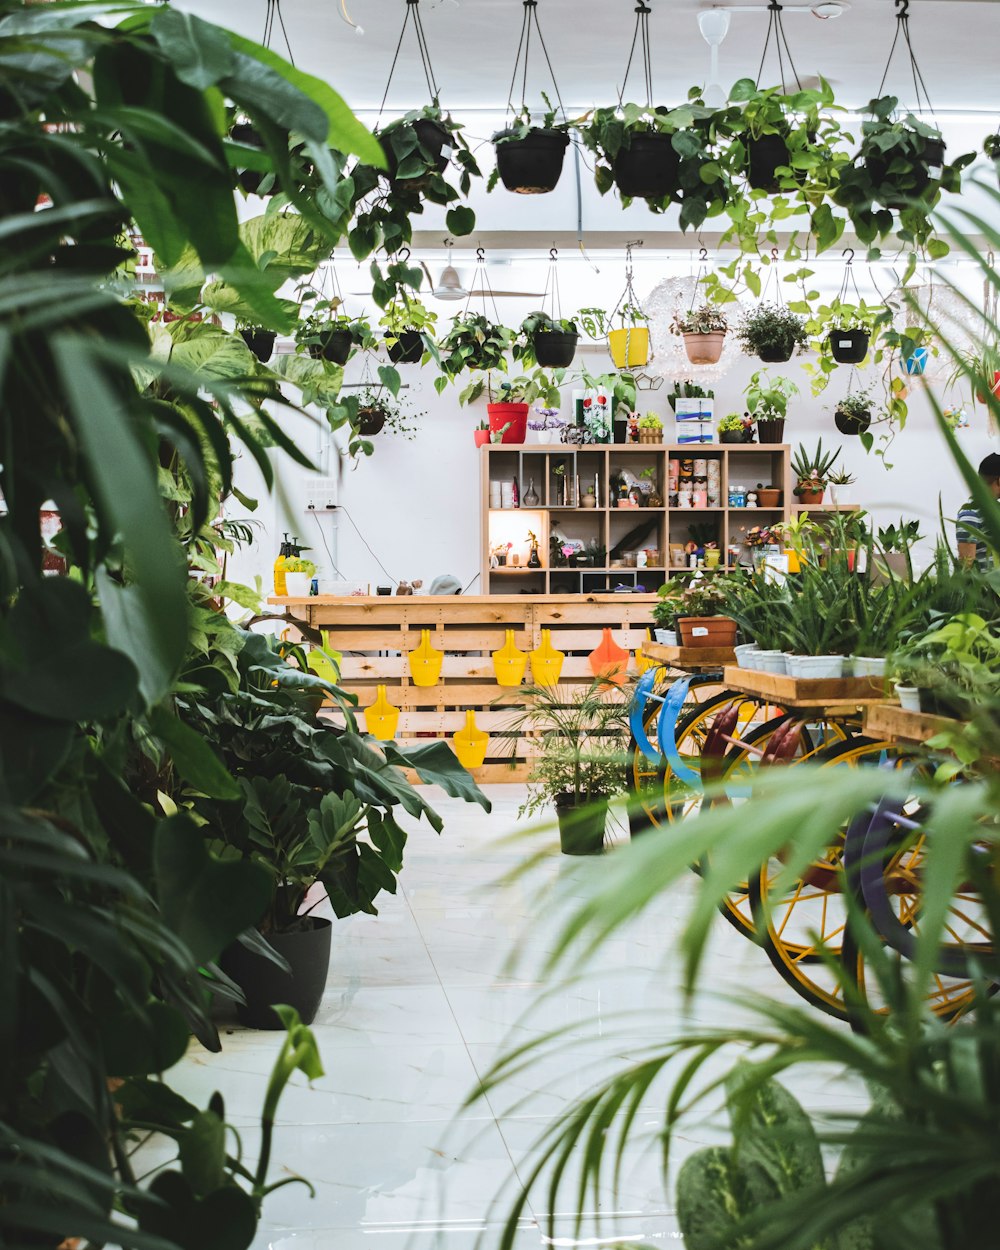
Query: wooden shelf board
x=889, y=720
x=689, y=657
x=807, y=692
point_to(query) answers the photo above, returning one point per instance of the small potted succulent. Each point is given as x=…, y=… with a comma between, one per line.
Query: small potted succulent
x=811, y=470
x=650, y=429
x=734, y=428
x=409, y=329
x=547, y=341
x=841, y=483
x=703, y=330
x=767, y=399
x=772, y=332
x=298, y=576
x=529, y=156
x=481, y=434
x=853, y=414
x=258, y=338
x=848, y=338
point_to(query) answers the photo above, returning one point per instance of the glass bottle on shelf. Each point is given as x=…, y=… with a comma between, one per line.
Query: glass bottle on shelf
x=530, y=499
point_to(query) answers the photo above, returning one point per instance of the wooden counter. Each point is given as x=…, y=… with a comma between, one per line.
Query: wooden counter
x=376, y=633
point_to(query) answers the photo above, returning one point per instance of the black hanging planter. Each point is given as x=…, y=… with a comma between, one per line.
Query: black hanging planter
x=264, y=984
x=532, y=165
x=260, y=342
x=555, y=349
x=851, y=422
x=249, y=179
x=849, y=347
x=776, y=353
x=370, y=422
x=336, y=347
x=764, y=156
x=648, y=168
x=436, y=142
x=407, y=349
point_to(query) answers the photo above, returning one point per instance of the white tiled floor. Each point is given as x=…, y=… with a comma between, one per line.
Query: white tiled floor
x=421, y=1000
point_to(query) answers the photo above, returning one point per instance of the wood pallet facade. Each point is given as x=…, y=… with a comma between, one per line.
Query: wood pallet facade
x=376, y=634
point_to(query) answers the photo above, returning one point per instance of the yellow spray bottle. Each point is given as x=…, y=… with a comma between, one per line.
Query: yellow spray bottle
x=280, y=585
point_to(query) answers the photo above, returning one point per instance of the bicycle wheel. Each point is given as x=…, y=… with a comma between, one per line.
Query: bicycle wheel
x=802, y=929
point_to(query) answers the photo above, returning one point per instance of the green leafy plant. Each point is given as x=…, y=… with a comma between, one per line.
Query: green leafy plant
x=705, y=319
x=810, y=468
x=295, y=564
x=651, y=421
x=734, y=422
x=408, y=314
x=473, y=342
x=700, y=596
x=767, y=397
x=314, y=330
x=772, y=330
x=535, y=323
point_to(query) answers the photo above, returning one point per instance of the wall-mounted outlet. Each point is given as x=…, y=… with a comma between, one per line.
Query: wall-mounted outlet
x=321, y=493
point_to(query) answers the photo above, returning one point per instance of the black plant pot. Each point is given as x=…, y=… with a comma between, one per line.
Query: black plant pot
x=776, y=353
x=764, y=156
x=648, y=168
x=850, y=423
x=555, y=349
x=436, y=141
x=407, y=349
x=336, y=347
x=735, y=436
x=849, y=347
x=770, y=430
x=260, y=342
x=532, y=165
x=265, y=984
x=934, y=150
x=581, y=829
x=249, y=179
x=370, y=422
x=620, y=429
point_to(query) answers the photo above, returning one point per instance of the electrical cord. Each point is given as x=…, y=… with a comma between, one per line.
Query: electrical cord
x=365, y=541
x=326, y=547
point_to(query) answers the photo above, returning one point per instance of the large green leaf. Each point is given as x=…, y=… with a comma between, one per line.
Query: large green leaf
x=437, y=764
x=284, y=245
x=214, y=354
x=200, y=52
x=225, y=1219
x=193, y=756
x=319, y=381
x=143, y=1043
x=122, y=610
x=206, y=903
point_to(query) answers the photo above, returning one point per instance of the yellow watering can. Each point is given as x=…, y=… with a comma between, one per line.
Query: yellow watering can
x=381, y=718
x=324, y=661
x=546, y=662
x=509, y=663
x=610, y=661
x=471, y=743
x=641, y=661
x=426, y=661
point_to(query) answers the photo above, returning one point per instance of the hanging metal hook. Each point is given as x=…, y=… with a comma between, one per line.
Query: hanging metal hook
x=774, y=254
x=480, y=255
x=703, y=255
x=848, y=255
x=553, y=253
x=903, y=7
x=404, y=254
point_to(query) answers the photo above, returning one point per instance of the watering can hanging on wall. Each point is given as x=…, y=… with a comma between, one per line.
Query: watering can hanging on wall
x=509, y=663
x=471, y=742
x=425, y=662
x=325, y=661
x=546, y=662
x=381, y=717
x=642, y=662
x=609, y=661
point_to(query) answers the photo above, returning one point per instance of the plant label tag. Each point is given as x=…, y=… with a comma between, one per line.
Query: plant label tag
x=699, y=631
x=845, y=343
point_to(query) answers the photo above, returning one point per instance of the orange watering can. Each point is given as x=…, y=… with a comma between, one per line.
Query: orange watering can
x=471, y=743
x=610, y=661
x=546, y=662
x=426, y=661
x=381, y=718
x=509, y=663
x=642, y=662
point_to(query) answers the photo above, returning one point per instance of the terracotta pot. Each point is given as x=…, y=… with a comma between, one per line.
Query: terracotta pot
x=770, y=429
x=482, y=437
x=811, y=496
x=516, y=414
x=769, y=497
x=707, y=631
x=704, y=349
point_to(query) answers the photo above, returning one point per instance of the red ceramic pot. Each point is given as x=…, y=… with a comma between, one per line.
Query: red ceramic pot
x=513, y=415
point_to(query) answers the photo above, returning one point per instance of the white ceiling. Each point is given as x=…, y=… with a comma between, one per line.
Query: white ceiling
x=473, y=44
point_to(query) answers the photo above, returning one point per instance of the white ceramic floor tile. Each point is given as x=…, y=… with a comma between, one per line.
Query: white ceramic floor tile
x=382, y=1015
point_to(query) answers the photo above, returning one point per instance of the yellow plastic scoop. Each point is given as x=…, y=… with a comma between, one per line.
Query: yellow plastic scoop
x=381, y=717
x=643, y=662
x=610, y=661
x=509, y=663
x=471, y=743
x=546, y=662
x=425, y=662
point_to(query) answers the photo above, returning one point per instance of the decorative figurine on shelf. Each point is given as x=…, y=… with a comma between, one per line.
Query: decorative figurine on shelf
x=751, y=499
x=404, y=589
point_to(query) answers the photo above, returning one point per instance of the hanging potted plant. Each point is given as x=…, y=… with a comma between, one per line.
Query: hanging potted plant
x=734, y=428
x=529, y=157
x=326, y=335
x=629, y=345
x=473, y=342
x=848, y=338
x=258, y=338
x=992, y=149
x=409, y=329
x=374, y=408
x=582, y=761
x=810, y=470
x=546, y=341
x=785, y=143
x=418, y=147
x=634, y=151
x=703, y=330
x=853, y=413
x=772, y=332
x=767, y=399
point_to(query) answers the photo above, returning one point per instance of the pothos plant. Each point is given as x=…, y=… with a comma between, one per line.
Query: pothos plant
x=524, y=389
x=473, y=342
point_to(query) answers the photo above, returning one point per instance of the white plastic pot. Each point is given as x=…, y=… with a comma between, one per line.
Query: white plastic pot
x=814, y=666
x=771, y=662
x=666, y=637
x=868, y=666
x=743, y=652
x=909, y=698
x=843, y=495
x=298, y=584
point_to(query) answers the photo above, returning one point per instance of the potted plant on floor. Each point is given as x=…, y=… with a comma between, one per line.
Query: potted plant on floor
x=547, y=341
x=703, y=330
x=736, y=428
x=582, y=763
x=848, y=338
x=258, y=338
x=409, y=330
x=810, y=470
x=650, y=429
x=529, y=156
x=767, y=399
x=853, y=413
x=316, y=806
x=772, y=332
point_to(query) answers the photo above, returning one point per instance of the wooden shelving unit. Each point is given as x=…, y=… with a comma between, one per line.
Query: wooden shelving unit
x=534, y=466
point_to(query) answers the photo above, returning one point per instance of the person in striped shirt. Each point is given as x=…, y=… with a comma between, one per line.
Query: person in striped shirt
x=972, y=548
